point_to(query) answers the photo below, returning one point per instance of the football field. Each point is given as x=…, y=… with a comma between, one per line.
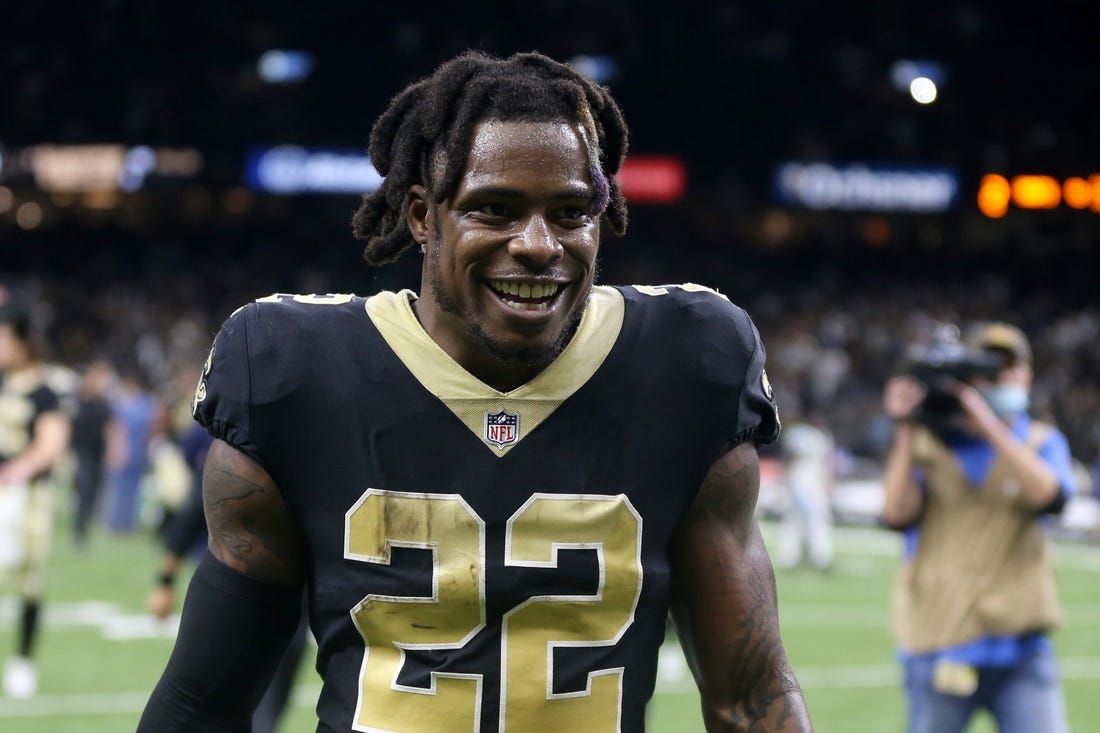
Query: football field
x=100, y=654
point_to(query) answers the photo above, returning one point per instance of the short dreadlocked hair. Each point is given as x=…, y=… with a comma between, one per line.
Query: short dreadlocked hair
x=432, y=121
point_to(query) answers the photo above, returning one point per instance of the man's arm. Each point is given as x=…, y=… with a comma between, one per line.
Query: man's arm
x=903, y=500
x=724, y=606
x=242, y=606
x=250, y=528
x=1038, y=481
x=51, y=439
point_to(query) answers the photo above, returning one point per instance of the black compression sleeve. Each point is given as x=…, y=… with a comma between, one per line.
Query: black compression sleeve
x=232, y=634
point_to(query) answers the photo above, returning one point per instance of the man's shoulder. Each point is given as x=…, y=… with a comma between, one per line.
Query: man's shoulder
x=689, y=308
x=676, y=296
x=272, y=344
x=287, y=319
x=301, y=306
x=36, y=380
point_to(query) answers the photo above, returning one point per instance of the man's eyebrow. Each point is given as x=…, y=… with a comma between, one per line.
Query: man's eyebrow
x=495, y=191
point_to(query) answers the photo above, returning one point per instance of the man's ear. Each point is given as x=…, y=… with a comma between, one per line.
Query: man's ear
x=418, y=213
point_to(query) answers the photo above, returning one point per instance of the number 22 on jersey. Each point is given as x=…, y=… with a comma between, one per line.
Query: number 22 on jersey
x=455, y=612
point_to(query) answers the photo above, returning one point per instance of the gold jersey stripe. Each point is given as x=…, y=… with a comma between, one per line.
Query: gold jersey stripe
x=467, y=396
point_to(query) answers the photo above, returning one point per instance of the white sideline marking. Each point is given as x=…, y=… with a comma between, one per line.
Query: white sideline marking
x=673, y=678
x=112, y=621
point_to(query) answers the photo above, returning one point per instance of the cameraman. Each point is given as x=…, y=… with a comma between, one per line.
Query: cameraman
x=976, y=595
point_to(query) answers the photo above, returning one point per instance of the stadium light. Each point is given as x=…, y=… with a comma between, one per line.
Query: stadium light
x=994, y=194
x=1037, y=192
x=600, y=68
x=923, y=90
x=920, y=78
x=1077, y=193
x=284, y=67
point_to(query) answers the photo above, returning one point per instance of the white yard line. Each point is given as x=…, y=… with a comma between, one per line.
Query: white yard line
x=673, y=679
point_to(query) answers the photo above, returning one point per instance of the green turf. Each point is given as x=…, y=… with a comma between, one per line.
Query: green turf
x=835, y=628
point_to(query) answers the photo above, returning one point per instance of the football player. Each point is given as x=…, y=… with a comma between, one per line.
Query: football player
x=495, y=488
x=34, y=433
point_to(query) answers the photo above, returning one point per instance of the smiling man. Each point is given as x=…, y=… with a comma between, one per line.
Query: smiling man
x=496, y=489
x=511, y=256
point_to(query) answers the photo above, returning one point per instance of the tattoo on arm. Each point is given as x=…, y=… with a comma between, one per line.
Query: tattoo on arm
x=725, y=609
x=251, y=529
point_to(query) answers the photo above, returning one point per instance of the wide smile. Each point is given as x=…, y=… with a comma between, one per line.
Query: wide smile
x=527, y=297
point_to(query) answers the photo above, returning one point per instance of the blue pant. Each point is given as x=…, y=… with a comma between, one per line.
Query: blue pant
x=121, y=504
x=1025, y=698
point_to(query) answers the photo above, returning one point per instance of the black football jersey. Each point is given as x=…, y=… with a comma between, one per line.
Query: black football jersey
x=480, y=560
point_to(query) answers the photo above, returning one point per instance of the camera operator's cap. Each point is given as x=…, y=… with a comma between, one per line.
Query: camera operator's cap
x=1003, y=337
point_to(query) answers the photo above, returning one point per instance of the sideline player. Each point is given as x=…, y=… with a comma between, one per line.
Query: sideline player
x=34, y=435
x=498, y=487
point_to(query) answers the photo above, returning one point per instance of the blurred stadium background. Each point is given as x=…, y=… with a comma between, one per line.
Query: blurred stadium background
x=854, y=175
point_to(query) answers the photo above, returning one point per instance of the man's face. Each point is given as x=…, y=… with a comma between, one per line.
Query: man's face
x=511, y=257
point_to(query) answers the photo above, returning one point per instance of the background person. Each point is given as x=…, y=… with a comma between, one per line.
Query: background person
x=91, y=435
x=135, y=411
x=809, y=471
x=34, y=434
x=976, y=597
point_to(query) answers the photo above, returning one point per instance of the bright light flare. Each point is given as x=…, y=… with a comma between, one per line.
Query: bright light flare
x=923, y=90
x=1036, y=192
x=994, y=195
x=1077, y=193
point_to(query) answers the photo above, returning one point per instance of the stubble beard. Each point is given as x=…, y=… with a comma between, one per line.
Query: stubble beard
x=525, y=357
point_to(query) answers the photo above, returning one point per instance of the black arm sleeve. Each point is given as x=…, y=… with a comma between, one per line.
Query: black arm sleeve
x=232, y=634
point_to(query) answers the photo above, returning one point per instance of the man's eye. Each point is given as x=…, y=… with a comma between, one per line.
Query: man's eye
x=495, y=211
x=574, y=215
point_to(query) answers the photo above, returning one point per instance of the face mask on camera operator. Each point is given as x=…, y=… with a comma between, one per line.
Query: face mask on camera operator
x=1009, y=395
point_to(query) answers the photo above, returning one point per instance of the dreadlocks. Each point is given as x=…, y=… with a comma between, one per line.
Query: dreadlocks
x=426, y=132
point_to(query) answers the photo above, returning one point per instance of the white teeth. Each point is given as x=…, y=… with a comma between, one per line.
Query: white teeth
x=524, y=290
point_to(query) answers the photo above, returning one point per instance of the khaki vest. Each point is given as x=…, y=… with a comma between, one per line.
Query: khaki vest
x=983, y=563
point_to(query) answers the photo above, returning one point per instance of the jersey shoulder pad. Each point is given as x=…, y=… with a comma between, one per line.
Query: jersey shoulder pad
x=261, y=354
x=702, y=319
x=718, y=343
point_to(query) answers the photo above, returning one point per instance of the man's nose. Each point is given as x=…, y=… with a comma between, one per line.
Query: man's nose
x=536, y=242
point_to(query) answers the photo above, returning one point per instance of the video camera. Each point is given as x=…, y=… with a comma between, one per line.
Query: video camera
x=939, y=366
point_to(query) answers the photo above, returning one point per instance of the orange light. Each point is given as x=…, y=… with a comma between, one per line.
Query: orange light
x=1036, y=192
x=1077, y=193
x=993, y=196
x=1094, y=181
x=876, y=232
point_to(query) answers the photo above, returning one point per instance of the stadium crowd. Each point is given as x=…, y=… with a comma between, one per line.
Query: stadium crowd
x=835, y=327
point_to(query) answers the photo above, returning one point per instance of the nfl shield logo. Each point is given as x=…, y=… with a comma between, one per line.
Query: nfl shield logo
x=501, y=428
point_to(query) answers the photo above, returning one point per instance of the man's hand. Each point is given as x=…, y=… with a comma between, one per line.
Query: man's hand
x=161, y=601
x=901, y=397
x=980, y=418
